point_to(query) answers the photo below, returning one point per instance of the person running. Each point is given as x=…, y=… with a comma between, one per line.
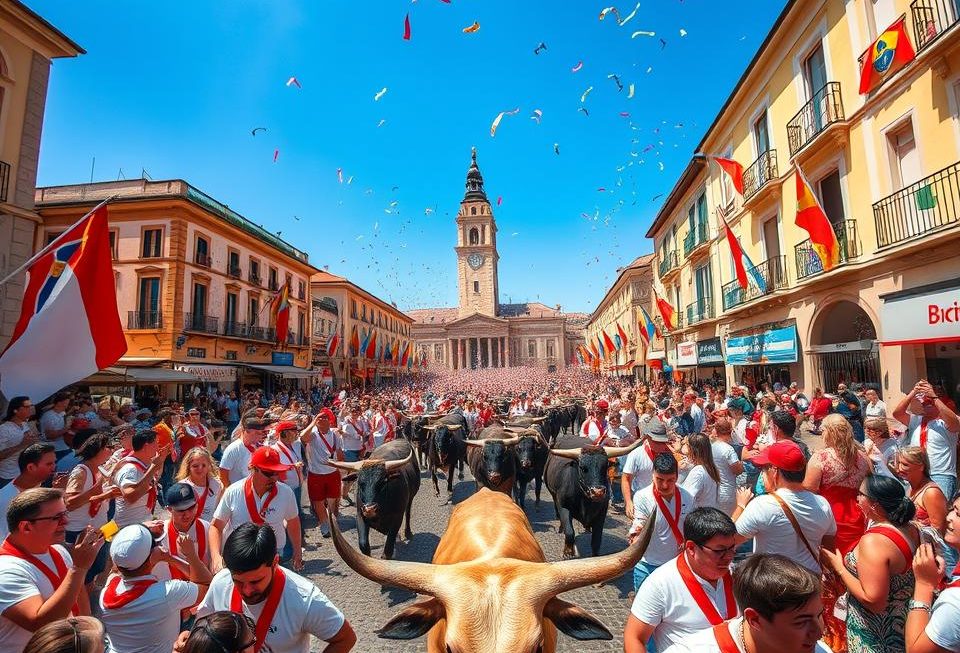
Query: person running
x=235, y=462
x=638, y=467
x=136, y=476
x=286, y=608
x=321, y=445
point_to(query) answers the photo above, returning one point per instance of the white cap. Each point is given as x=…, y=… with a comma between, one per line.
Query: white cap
x=131, y=547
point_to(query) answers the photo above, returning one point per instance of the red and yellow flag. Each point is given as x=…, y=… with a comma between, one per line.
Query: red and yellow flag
x=734, y=170
x=812, y=219
x=890, y=52
x=623, y=335
x=667, y=312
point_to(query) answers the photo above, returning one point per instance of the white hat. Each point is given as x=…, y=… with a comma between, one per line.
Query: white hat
x=131, y=547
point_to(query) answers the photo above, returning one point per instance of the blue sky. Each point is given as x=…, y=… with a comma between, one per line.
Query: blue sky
x=176, y=88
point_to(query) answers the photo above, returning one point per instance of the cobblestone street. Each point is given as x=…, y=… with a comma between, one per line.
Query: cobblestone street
x=368, y=606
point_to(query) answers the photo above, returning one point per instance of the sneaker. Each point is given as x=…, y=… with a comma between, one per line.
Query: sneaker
x=325, y=531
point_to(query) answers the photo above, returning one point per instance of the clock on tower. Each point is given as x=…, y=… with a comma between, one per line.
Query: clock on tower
x=476, y=248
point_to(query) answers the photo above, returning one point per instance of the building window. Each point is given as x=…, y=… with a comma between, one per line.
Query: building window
x=230, y=354
x=113, y=245
x=551, y=353
x=273, y=284
x=255, y=272
x=904, y=159
x=438, y=353
x=363, y=314
x=761, y=135
x=474, y=236
x=148, y=306
x=196, y=352
x=52, y=236
x=531, y=348
x=353, y=308
x=230, y=315
x=202, y=253
x=233, y=264
x=151, y=243
x=301, y=328
x=473, y=210
x=476, y=286
x=254, y=311
x=301, y=290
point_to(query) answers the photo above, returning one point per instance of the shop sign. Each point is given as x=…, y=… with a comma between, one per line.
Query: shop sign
x=281, y=358
x=656, y=354
x=927, y=317
x=710, y=352
x=210, y=373
x=769, y=346
x=836, y=347
x=686, y=354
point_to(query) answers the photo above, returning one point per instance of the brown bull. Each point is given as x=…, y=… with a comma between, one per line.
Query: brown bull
x=490, y=587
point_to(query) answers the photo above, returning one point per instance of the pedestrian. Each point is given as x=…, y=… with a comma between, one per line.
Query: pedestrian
x=820, y=407
x=37, y=464
x=703, y=479
x=286, y=441
x=223, y=632
x=728, y=464
x=353, y=440
x=73, y=635
x=638, y=467
x=932, y=426
x=321, y=445
x=913, y=467
x=875, y=407
x=16, y=435
x=199, y=470
x=53, y=424
x=236, y=457
x=880, y=448
x=136, y=476
x=168, y=429
x=184, y=521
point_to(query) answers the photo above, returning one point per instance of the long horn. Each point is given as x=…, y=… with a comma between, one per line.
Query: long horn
x=616, y=452
x=477, y=443
x=571, y=574
x=537, y=420
x=430, y=427
x=572, y=454
x=417, y=577
x=510, y=442
x=396, y=464
x=349, y=467
x=455, y=427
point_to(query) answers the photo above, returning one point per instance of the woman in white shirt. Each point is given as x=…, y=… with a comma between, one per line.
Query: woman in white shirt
x=703, y=480
x=199, y=470
x=470, y=413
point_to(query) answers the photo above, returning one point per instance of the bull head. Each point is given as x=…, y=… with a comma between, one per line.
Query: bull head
x=592, y=464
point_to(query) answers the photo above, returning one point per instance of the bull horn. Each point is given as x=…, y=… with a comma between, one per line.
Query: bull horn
x=572, y=454
x=571, y=574
x=430, y=427
x=396, y=464
x=510, y=442
x=616, y=452
x=348, y=467
x=476, y=443
x=537, y=420
x=417, y=577
x=455, y=427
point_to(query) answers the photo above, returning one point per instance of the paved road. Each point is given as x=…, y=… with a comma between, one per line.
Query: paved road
x=368, y=606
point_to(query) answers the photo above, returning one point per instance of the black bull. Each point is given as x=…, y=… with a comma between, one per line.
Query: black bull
x=446, y=448
x=387, y=482
x=492, y=459
x=576, y=477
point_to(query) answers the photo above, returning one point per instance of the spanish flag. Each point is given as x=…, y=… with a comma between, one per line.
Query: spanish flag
x=812, y=219
x=734, y=170
x=889, y=53
x=667, y=312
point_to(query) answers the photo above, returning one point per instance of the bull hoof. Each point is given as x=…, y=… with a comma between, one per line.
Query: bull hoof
x=560, y=529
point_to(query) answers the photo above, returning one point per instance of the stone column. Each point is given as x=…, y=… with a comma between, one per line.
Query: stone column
x=456, y=357
x=506, y=341
x=500, y=341
x=489, y=352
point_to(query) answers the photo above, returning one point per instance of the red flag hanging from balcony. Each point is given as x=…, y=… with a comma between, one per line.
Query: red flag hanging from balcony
x=623, y=335
x=812, y=219
x=889, y=53
x=354, y=341
x=281, y=313
x=733, y=169
x=648, y=328
x=333, y=342
x=667, y=312
x=371, y=349
x=608, y=344
x=741, y=262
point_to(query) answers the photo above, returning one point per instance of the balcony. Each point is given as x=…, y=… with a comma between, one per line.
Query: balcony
x=759, y=174
x=254, y=279
x=808, y=261
x=199, y=322
x=823, y=110
x=931, y=18
x=144, y=320
x=919, y=209
x=202, y=260
x=4, y=180
x=235, y=329
x=694, y=239
x=772, y=273
x=234, y=271
x=700, y=310
x=670, y=262
x=266, y=334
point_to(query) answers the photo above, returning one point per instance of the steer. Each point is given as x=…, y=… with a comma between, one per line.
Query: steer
x=387, y=482
x=447, y=448
x=577, y=480
x=491, y=459
x=414, y=431
x=490, y=588
x=531, y=454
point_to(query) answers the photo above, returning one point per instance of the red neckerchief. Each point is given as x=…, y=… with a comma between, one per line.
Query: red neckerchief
x=674, y=521
x=57, y=579
x=286, y=451
x=152, y=492
x=202, y=499
x=330, y=449
x=256, y=516
x=923, y=433
x=250, y=448
x=113, y=601
x=199, y=536
x=650, y=454
x=93, y=507
x=700, y=595
x=721, y=632
x=269, y=608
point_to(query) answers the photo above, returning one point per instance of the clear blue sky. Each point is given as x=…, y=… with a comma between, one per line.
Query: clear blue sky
x=175, y=89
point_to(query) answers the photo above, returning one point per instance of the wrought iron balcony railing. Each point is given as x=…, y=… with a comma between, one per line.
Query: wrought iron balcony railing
x=920, y=208
x=763, y=279
x=199, y=322
x=700, y=310
x=823, y=109
x=931, y=18
x=670, y=261
x=144, y=320
x=808, y=261
x=254, y=279
x=235, y=329
x=694, y=238
x=202, y=259
x=234, y=271
x=761, y=171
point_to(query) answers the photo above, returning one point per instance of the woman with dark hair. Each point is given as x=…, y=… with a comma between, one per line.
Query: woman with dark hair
x=73, y=635
x=703, y=479
x=15, y=436
x=878, y=574
x=221, y=632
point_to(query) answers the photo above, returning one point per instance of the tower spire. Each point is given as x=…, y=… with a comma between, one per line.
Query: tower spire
x=474, y=185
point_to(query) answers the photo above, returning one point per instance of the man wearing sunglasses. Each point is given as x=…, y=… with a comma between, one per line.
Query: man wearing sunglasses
x=260, y=498
x=37, y=464
x=691, y=592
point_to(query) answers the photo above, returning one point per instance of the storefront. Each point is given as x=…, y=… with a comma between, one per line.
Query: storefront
x=924, y=322
x=685, y=357
x=655, y=363
x=764, y=356
x=146, y=386
x=710, y=360
x=212, y=377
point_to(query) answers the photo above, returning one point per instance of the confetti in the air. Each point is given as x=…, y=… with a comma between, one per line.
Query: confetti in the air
x=583, y=98
x=556, y=148
x=254, y=131
x=499, y=200
x=340, y=175
x=293, y=81
x=609, y=10
x=380, y=94
x=642, y=33
x=577, y=68
x=496, y=121
x=683, y=32
x=406, y=28
x=630, y=91
x=470, y=29
x=630, y=15
x=276, y=155
x=382, y=122
x=540, y=48
x=537, y=115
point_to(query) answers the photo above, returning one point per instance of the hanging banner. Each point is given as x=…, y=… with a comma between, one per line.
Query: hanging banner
x=770, y=346
x=710, y=352
x=686, y=354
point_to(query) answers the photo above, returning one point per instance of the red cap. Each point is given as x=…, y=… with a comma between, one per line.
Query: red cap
x=285, y=425
x=329, y=415
x=785, y=455
x=268, y=460
x=602, y=404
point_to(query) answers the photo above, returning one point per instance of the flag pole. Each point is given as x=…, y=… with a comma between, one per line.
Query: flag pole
x=54, y=242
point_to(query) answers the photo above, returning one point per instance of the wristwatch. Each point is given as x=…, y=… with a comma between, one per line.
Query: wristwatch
x=918, y=605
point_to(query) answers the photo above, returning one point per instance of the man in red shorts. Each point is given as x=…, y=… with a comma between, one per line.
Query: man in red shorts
x=320, y=445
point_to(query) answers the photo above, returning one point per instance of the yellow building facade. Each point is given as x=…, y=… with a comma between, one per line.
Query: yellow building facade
x=884, y=165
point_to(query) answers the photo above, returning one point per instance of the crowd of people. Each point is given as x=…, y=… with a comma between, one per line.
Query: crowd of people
x=135, y=529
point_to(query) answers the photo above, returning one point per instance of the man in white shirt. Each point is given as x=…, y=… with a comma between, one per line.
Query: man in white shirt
x=37, y=464
x=628, y=415
x=184, y=522
x=139, y=611
x=32, y=596
x=689, y=593
x=15, y=436
x=287, y=608
x=932, y=426
x=638, y=466
x=782, y=612
x=320, y=445
x=53, y=426
x=671, y=504
x=875, y=406
x=595, y=426
x=770, y=518
x=236, y=457
x=353, y=437
x=260, y=499
x=286, y=441
x=136, y=476
x=728, y=464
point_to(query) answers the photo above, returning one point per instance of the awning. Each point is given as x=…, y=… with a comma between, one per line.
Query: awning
x=286, y=371
x=929, y=314
x=138, y=376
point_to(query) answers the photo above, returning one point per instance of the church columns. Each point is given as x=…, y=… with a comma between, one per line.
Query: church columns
x=502, y=357
x=489, y=352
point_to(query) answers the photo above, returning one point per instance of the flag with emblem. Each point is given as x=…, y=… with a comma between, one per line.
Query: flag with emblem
x=333, y=342
x=890, y=52
x=69, y=326
x=648, y=328
x=280, y=307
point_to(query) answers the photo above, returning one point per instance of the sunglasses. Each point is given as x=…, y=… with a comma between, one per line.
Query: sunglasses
x=720, y=553
x=60, y=516
x=267, y=473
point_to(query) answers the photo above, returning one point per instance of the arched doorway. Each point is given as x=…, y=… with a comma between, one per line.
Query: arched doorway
x=844, y=347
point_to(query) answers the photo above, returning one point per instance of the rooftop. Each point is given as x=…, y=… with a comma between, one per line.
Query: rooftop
x=324, y=277
x=443, y=315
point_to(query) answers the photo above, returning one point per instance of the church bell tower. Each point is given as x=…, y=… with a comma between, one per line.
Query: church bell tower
x=476, y=249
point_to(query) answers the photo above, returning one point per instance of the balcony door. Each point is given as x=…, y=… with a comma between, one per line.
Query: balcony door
x=771, y=239
x=149, y=306
x=905, y=157
x=703, y=281
x=761, y=135
x=815, y=76
x=199, y=305
x=230, y=315
x=831, y=197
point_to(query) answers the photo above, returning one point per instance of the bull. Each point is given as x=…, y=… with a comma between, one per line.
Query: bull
x=531, y=453
x=415, y=432
x=387, y=482
x=490, y=588
x=447, y=448
x=492, y=460
x=577, y=481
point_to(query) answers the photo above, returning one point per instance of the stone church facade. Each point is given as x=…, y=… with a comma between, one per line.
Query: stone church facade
x=481, y=332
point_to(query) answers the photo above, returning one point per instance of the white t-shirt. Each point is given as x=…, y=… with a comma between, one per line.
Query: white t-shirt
x=724, y=456
x=941, y=445
x=7, y=493
x=628, y=418
x=213, y=489
x=882, y=455
x=664, y=601
x=162, y=570
x=640, y=464
x=704, y=490
x=303, y=611
x=663, y=544
x=318, y=452
x=290, y=454
x=943, y=629
x=21, y=580
x=232, y=510
x=126, y=475
x=878, y=409
x=706, y=642
x=236, y=460
x=77, y=520
x=352, y=434
x=739, y=432
x=10, y=436
x=151, y=622
x=53, y=421
x=764, y=520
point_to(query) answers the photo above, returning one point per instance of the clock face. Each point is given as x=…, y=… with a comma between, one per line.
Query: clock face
x=475, y=260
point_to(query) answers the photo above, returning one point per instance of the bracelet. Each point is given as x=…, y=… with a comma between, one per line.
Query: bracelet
x=741, y=506
x=918, y=605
